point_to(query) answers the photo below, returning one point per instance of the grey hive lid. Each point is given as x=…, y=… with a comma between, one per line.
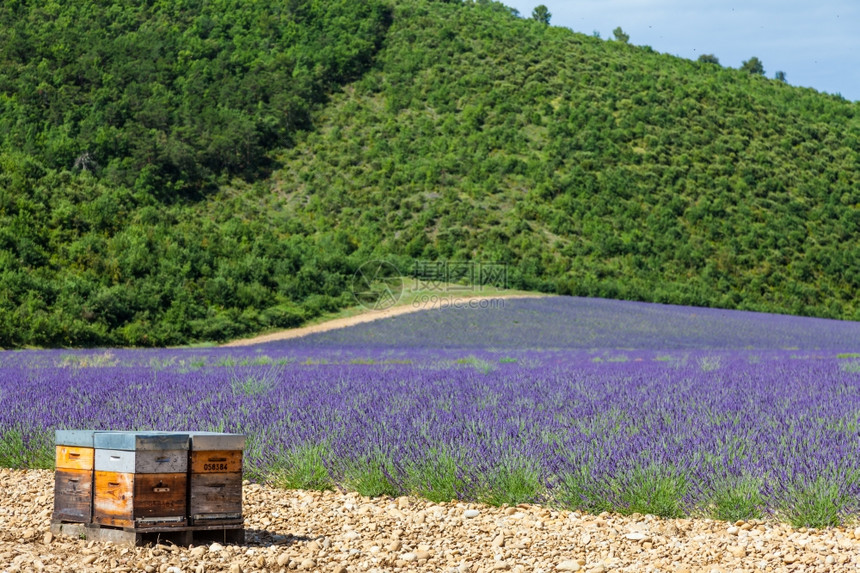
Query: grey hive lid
x=141, y=441
x=203, y=441
x=77, y=438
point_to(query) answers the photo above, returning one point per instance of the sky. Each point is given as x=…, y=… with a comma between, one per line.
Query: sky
x=815, y=42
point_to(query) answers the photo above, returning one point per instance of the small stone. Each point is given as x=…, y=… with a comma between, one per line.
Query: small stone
x=598, y=569
x=422, y=554
x=234, y=568
x=283, y=559
x=394, y=546
x=732, y=530
x=738, y=551
x=637, y=536
x=568, y=565
x=197, y=552
x=510, y=511
x=340, y=569
x=409, y=557
x=464, y=568
x=789, y=559
x=89, y=559
x=215, y=548
x=314, y=547
x=307, y=564
x=470, y=513
x=403, y=502
x=499, y=541
x=47, y=538
x=173, y=570
x=830, y=560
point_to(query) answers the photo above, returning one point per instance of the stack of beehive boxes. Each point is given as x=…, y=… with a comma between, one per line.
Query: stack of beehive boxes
x=141, y=479
x=148, y=481
x=216, y=478
x=73, y=479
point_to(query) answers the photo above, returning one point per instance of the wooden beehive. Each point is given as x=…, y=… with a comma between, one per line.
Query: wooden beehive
x=141, y=479
x=215, y=478
x=73, y=478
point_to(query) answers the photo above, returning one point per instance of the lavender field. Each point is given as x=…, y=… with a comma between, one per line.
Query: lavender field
x=592, y=404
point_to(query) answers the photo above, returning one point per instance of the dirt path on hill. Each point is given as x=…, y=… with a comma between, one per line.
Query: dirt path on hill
x=431, y=303
x=340, y=532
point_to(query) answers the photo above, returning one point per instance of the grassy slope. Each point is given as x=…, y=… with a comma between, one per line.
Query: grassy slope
x=596, y=168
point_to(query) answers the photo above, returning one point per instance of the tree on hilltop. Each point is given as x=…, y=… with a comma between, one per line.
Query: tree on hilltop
x=542, y=14
x=620, y=36
x=780, y=76
x=753, y=66
x=709, y=59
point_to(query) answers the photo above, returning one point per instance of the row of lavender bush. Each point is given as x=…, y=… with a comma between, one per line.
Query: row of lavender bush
x=730, y=434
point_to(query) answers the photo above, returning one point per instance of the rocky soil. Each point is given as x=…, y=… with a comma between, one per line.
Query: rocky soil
x=338, y=532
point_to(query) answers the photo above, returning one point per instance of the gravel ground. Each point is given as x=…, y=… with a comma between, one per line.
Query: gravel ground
x=338, y=532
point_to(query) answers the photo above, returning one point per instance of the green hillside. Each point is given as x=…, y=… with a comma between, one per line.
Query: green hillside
x=232, y=178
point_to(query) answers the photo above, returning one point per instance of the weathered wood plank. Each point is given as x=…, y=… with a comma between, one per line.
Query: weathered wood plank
x=74, y=458
x=202, y=441
x=216, y=461
x=113, y=499
x=160, y=495
x=141, y=462
x=141, y=441
x=73, y=495
x=215, y=496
